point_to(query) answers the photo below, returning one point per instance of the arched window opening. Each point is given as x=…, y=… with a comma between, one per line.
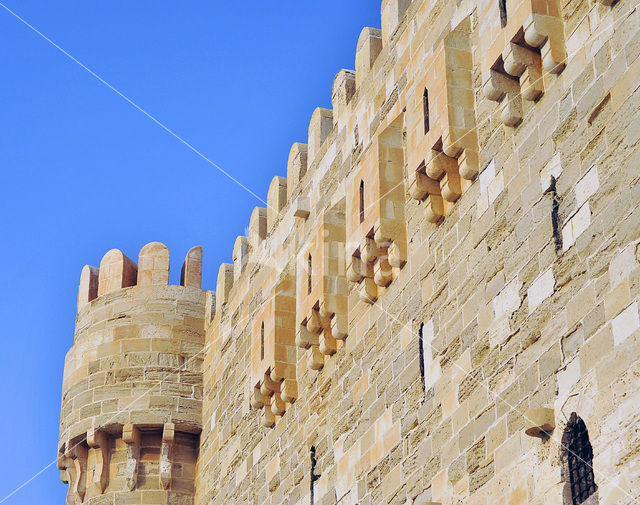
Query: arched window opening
x=577, y=458
x=262, y=341
x=361, y=201
x=425, y=106
x=309, y=273
x=502, y=4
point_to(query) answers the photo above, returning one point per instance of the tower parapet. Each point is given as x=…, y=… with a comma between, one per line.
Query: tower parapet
x=132, y=389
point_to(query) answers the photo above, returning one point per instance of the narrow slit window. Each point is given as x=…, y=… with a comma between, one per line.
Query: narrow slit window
x=361, y=201
x=425, y=105
x=262, y=341
x=502, y=4
x=313, y=475
x=421, y=353
x=309, y=274
x=578, y=460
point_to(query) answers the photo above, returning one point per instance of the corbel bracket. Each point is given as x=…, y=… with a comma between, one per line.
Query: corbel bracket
x=131, y=437
x=166, y=457
x=99, y=440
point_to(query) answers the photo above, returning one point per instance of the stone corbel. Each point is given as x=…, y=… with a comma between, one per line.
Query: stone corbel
x=99, y=441
x=269, y=386
x=368, y=290
x=370, y=250
x=168, y=437
x=131, y=437
x=498, y=86
x=382, y=272
x=444, y=169
x=76, y=458
x=328, y=345
x=315, y=322
x=305, y=338
x=316, y=358
x=289, y=392
x=468, y=164
x=258, y=400
x=526, y=65
x=278, y=407
x=267, y=419
x=339, y=326
x=397, y=255
x=67, y=476
x=547, y=34
x=357, y=269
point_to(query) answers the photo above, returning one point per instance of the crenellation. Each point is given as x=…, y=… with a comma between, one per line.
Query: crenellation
x=320, y=127
x=368, y=49
x=240, y=257
x=276, y=200
x=117, y=271
x=191, y=272
x=344, y=87
x=153, y=264
x=257, y=227
x=296, y=168
x=88, y=288
x=427, y=302
x=224, y=285
x=392, y=11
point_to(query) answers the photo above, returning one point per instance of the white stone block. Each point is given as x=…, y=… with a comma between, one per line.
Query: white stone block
x=625, y=324
x=568, y=378
x=495, y=187
x=508, y=300
x=487, y=175
x=622, y=264
x=541, y=289
x=575, y=226
x=587, y=186
x=552, y=169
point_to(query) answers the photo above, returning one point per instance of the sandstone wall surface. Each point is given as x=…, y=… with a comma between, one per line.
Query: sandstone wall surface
x=444, y=285
x=492, y=269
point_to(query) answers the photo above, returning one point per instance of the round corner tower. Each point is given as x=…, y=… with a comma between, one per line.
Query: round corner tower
x=132, y=389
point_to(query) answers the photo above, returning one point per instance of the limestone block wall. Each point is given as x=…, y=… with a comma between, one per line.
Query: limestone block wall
x=132, y=388
x=439, y=305
x=500, y=299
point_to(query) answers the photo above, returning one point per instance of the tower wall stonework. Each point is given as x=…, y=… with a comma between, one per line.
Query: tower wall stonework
x=449, y=274
x=132, y=389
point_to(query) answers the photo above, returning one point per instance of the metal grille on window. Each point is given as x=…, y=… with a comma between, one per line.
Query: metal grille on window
x=578, y=459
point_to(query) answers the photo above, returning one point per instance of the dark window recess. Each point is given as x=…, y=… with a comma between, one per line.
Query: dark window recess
x=502, y=4
x=309, y=267
x=421, y=353
x=262, y=341
x=361, y=201
x=314, y=477
x=577, y=460
x=425, y=105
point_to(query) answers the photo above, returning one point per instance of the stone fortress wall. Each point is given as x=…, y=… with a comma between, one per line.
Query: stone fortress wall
x=438, y=305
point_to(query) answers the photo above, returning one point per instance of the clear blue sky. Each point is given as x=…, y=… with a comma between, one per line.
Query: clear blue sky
x=84, y=172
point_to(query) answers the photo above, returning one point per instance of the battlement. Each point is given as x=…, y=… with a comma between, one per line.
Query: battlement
x=117, y=271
